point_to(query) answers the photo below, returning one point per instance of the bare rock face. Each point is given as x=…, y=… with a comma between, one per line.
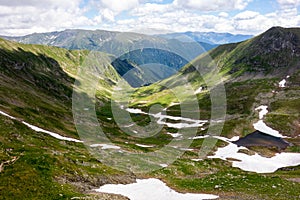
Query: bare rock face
x=278, y=39
x=277, y=48
x=102, y=196
x=270, y=53
x=87, y=184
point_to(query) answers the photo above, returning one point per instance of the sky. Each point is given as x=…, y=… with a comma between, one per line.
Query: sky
x=147, y=16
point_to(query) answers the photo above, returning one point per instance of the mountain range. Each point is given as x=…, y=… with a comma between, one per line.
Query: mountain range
x=208, y=37
x=39, y=83
x=124, y=47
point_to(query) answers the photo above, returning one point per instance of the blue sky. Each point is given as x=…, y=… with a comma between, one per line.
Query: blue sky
x=147, y=16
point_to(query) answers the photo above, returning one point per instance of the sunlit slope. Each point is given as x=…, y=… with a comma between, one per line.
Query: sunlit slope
x=36, y=86
x=251, y=72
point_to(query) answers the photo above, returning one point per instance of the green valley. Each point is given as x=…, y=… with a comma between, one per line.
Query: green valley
x=221, y=90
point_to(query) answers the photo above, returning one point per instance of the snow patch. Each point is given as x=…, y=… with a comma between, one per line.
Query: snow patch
x=130, y=125
x=259, y=164
x=7, y=115
x=175, y=135
x=52, y=37
x=180, y=125
x=224, y=139
x=151, y=189
x=256, y=163
x=55, y=135
x=192, y=122
x=37, y=129
x=196, y=160
x=262, y=127
x=199, y=137
x=263, y=111
x=235, y=138
x=186, y=149
x=135, y=111
x=144, y=146
x=228, y=151
x=163, y=165
x=199, y=90
x=282, y=83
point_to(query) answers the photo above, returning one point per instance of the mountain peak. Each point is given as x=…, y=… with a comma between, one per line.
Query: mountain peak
x=274, y=52
x=276, y=28
x=279, y=39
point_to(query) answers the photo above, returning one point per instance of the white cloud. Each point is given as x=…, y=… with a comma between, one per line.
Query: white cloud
x=178, y=21
x=252, y=22
x=109, y=9
x=147, y=16
x=24, y=17
x=40, y=4
x=120, y=5
x=108, y=14
x=166, y=18
x=288, y=8
x=288, y=2
x=246, y=15
x=223, y=14
x=213, y=5
x=152, y=8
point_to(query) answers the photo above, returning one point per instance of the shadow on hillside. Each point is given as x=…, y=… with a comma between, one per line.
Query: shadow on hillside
x=36, y=89
x=36, y=72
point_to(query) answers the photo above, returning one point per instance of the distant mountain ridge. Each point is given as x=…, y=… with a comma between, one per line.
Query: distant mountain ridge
x=208, y=37
x=112, y=42
x=123, y=46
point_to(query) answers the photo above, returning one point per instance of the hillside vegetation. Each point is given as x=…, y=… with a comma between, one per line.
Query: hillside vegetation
x=37, y=86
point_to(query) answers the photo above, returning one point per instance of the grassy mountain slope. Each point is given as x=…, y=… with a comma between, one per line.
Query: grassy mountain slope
x=274, y=52
x=36, y=86
x=37, y=81
x=37, y=166
x=251, y=79
x=250, y=71
x=67, y=169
